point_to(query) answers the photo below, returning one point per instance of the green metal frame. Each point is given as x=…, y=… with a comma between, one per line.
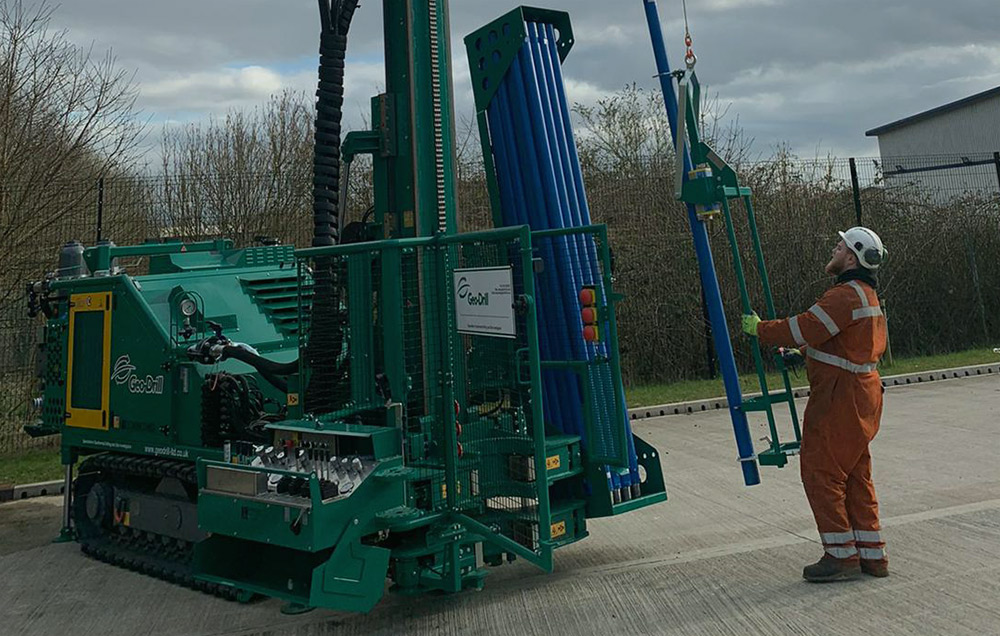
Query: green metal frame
x=718, y=191
x=436, y=261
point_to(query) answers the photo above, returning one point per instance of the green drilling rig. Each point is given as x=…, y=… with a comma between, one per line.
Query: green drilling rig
x=378, y=408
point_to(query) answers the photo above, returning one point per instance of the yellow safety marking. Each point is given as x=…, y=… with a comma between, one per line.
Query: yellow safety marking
x=127, y=519
x=557, y=530
x=293, y=399
x=551, y=463
x=89, y=418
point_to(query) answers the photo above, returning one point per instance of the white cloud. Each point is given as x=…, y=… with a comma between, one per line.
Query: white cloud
x=794, y=72
x=211, y=90
x=582, y=92
x=728, y=5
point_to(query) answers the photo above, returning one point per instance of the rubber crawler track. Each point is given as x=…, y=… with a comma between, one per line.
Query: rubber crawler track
x=151, y=554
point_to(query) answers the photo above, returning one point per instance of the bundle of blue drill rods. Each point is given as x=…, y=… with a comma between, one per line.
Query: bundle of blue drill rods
x=541, y=185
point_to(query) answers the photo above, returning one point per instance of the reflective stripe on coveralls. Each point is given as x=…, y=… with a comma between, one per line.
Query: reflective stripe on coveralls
x=842, y=363
x=842, y=553
x=844, y=335
x=793, y=324
x=873, y=554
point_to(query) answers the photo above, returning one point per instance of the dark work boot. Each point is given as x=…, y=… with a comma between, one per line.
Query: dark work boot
x=830, y=569
x=875, y=567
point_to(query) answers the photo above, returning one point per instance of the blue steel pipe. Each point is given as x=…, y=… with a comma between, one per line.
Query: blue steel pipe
x=553, y=157
x=542, y=186
x=538, y=176
x=505, y=149
x=706, y=268
x=560, y=110
x=573, y=203
x=512, y=206
x=522, y=162
x=560, y=213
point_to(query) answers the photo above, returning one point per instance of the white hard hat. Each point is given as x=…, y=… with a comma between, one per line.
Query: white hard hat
x=866, y=245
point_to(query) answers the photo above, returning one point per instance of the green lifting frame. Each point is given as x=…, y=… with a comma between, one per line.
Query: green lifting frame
x=711, y=191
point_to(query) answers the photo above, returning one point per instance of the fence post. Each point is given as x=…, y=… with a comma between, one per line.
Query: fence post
x=856, y=189
x=100, y=208
x=996, y=164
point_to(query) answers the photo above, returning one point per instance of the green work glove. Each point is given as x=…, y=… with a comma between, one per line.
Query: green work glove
x=750, y=322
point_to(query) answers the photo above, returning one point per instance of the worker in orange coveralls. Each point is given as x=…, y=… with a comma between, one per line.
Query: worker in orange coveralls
x=842, y=338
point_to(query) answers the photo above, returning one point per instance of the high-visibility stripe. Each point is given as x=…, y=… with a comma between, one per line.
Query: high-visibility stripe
x=836, y=538
x=825, y=318
x=877, y=554
x=842, y=553
x=867, y=312
x=793, y=324
x=861, y=292
x=868, y=536
x=837, y=361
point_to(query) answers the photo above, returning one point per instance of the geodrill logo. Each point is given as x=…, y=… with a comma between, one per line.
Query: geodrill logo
x=123, y=370
x=465, y=293
x=124, y=373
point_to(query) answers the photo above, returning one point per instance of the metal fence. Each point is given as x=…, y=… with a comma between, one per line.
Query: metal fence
x=939, y=216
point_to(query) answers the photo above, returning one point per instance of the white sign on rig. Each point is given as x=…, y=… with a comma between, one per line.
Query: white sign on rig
x=484, y=301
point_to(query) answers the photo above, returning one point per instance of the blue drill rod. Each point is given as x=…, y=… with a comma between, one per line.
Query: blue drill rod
x=706, y=266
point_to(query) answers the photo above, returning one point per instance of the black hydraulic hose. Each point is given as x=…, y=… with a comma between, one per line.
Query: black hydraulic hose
x=268, y=369
x=327, y=319
x=259, y=362
x=335, y=20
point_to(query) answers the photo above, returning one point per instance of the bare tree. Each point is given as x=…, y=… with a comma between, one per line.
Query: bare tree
x=67, y=116
x=623, y=131
x=629, y=131
x=243, y=176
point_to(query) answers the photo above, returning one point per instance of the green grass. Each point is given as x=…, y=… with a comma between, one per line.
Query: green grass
x=43, y=464
x=655, y=394
x=28, y=467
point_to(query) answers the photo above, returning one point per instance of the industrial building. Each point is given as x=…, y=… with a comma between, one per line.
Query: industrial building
x=947, y=152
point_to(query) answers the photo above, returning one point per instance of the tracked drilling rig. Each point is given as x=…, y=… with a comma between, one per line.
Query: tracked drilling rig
x=397, y=402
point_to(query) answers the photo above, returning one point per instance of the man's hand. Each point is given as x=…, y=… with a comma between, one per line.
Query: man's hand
x=791, y=357
x=750, y=322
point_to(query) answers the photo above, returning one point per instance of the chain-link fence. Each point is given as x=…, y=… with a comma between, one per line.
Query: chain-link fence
x=939, y=217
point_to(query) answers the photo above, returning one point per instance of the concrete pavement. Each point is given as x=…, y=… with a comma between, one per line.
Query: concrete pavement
x=717, y=558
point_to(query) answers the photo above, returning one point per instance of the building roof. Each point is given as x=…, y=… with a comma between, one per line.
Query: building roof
x=927, y=114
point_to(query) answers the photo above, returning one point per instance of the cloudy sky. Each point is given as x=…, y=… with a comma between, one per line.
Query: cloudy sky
x=814, y=74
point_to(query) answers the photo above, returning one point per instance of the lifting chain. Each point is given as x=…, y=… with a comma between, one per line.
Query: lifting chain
x=690, y=59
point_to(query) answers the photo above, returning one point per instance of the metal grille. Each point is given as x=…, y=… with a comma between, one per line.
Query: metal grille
x=473, y=437
x=324, y=337
x=501, y=433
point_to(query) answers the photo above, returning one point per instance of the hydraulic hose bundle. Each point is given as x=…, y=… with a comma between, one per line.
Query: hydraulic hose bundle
x=326, y=329
x=540, y=184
